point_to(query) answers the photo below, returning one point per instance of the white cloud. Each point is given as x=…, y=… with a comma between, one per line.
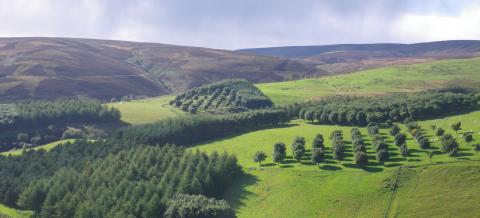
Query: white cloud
x=431, y=27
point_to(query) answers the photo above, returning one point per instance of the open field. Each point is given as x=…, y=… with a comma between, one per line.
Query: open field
x=406, y=78
x=6, y=212
x=146, y=110
x=46, y=147
x=344, y=190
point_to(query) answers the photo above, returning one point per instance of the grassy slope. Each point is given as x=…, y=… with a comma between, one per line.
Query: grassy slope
x=407, y=78
x=47, y=147
x=303, y=190
x=441, y=191
x=9, y=212
x=146, y=110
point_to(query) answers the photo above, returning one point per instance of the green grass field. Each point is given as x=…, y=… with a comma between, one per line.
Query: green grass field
x=407, y=78
x=146, y=110
x=46, y=147
x=342, y=190
x=6, y=212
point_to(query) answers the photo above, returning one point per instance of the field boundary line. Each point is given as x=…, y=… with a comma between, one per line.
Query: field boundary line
x=394, y=191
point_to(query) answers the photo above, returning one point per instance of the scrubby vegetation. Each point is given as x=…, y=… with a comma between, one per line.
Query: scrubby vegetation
x=226, y=96
x=363, y=110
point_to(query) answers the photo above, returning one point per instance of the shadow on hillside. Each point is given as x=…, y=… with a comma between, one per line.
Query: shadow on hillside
x=237, y=193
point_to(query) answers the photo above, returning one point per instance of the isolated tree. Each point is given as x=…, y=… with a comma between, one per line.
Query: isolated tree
x=382, y=155
x=259, y=157
x=433, y=127
x=279, y=152
x=394, y=130
x=404, y=150
x=399, y=139
x=456, y=126
x=318, y=142
x=468, y=137
x=361, y=158
x=439, y=132
x=318, y=156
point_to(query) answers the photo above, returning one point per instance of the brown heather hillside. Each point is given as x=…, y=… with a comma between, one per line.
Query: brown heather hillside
x=102, y=69
x=345, y=58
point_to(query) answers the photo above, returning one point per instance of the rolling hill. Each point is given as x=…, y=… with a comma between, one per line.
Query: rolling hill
x=62, y=67
x=343, y=58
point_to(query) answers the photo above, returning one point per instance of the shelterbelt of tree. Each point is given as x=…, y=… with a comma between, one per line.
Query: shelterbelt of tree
x=187, y=130
x=363, y=110
x=227, y=95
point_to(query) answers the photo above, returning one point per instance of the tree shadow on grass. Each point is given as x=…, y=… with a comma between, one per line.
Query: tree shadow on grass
x=364, y=168
x=286, y=166
x=393, y=165
x=237, y=192
x=330, y=167
x=291, y=161
x=307, y=163
x=268, y=165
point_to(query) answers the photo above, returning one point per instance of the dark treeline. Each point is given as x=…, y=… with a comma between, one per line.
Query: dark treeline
x=40, y=112
x=363, y=110
x=234, y=94
x=193, y=129
x=29, y=123
x=140, y=182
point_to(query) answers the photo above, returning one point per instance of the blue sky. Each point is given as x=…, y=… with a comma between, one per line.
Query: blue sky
x=234, y=24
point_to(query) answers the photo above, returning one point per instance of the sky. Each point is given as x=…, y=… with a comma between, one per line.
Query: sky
x=236, y=24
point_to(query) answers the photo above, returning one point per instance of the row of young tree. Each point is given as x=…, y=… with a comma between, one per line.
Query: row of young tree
x=187, y=130
x=233, y=94
x=449, y=144
x=364, y=110
x=140, y=182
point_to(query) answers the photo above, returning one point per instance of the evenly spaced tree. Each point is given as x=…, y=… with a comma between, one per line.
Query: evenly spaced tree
x=298, y=152
x=468, y=137
x=373, y=129
x=476, y=148
x=449, y=145
x=361, y=158
x=456, y=126
x=439, y=132
x=433, y=127
x=394, y=130
x=298, y=143
x=279, y=152
x=318, y=156
x=259, y=157
x=318, y=142
x=308, y=116
x=382, y=155
x=423, y=142
x=399, y=139
x=430, y=156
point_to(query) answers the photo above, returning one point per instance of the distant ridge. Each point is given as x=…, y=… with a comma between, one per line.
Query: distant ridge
x=63, y=67
x=350, y=57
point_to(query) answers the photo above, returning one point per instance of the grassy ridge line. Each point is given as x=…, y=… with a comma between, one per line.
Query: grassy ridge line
x=380, y=81
x=13, y=213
